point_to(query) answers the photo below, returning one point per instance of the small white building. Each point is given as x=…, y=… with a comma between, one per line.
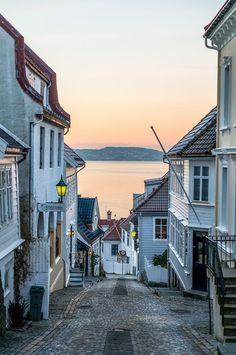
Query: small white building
x=73, y=165
x=128, y=235
x=12, y=152
x=191, y=220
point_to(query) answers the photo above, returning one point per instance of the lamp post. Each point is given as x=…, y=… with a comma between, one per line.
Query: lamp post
x=61, y=189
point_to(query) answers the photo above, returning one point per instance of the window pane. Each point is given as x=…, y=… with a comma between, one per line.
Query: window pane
x=205, y=171
x=204, y=189
x=197, y=171
x=164, y=222
x=158, y=222
x=196, y=189
x=164, y=232
x=158, y=232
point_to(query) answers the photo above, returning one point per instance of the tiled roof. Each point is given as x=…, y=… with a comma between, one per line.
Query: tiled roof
x=72, y=157
x=114, y=232
x=157, y=200
x=200, y=140
x=12, y=141
x=224, y=9
x=87, y=233
x=106, y=222
x=86, y=208
x=126, y=223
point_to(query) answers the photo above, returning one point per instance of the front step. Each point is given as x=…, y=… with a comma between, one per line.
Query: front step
x=229, y=309
x=76, y=278
x=200, y=295
x=230, y=299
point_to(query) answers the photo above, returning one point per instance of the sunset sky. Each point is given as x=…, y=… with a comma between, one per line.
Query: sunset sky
x=123, y=65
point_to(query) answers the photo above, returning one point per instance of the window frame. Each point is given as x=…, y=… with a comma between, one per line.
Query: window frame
x=161, y=226
x=6, y=194
x=52, y=140
x=42, y=148
x=114, y=246
x=201, y=178
x=226, y=78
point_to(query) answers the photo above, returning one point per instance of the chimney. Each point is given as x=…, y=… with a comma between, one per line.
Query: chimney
x=109, y=215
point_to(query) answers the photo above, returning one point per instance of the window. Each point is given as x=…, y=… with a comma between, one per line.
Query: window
x=114, y=249
x=42, y=147
x=225, y=91
x=176, y=187
x=6, y=209
x=224, y=197
x=179, y=238
x=6, y=279
x=59, y=149
x=200, y=183
x=128, y=239
x=51, y=148
x=160, y=228
x=58, y=236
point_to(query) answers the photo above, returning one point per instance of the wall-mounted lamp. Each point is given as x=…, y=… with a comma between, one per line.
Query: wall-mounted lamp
x=61, y=189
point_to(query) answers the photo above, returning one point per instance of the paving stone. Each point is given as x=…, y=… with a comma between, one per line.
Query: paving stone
x=154, y=324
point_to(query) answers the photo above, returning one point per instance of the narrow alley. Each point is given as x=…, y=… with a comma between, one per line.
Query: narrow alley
x=117, y=316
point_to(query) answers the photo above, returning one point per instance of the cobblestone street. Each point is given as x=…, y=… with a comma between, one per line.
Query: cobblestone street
x=117, y=317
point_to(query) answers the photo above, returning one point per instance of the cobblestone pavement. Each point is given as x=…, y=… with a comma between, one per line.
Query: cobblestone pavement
x=117, y=317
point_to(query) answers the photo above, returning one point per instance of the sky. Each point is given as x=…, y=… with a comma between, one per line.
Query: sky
x=124, y=65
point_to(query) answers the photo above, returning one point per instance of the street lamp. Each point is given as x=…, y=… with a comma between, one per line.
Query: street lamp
x=61, y=188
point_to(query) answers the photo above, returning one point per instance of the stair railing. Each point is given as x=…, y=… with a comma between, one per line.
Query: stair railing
x=215, y=267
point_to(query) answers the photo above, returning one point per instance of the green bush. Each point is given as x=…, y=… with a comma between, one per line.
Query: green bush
x=160, y=260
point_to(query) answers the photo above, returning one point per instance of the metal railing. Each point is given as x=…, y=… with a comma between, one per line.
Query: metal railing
x=214, y=265
x=221, y=255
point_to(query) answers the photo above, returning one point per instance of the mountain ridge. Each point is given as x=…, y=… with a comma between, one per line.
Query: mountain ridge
x=120, y=154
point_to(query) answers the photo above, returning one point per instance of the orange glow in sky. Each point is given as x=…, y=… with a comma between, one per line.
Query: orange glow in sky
x=123, y=66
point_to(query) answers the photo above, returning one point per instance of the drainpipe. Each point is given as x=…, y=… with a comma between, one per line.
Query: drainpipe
x=31, y=171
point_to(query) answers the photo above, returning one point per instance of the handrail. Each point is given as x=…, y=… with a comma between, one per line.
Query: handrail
x=215, y=267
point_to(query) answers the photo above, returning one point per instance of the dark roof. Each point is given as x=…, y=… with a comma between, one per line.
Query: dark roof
x=126, y=223
x=114, y=232
x=72, y=157
x=219, y=16
x=13, y=142
x=87, y=233
x=200, y=140
x=85, y=208
x=157, y=200
x=25, y=56
x=106, y=222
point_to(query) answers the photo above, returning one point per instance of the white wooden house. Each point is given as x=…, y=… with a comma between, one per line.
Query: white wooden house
x=12, y=152
x=190, y=221
x=128, y=227
x=30, y=108
x=73, y=164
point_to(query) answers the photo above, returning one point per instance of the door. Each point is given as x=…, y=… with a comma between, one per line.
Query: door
x=199, y=261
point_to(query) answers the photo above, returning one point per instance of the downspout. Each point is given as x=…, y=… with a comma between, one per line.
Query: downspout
x=217, y=136
x=31, y=171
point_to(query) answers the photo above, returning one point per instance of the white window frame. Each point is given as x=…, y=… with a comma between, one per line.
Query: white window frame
x=6, y=195
x=226, y=74
x=224, y=196
x=178, y=166
x=201, y=177
x=161, y=226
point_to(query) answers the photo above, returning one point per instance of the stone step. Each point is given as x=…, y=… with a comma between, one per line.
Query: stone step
x=76, y=284
x=230, y=330
x=200, y=295
x=228, y=281
x=230, y=299
x=230, y=339
x=77, y=271
x=229, y=319
x=229, y=309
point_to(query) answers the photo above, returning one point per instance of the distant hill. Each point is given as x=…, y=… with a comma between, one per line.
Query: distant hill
x=120, y=154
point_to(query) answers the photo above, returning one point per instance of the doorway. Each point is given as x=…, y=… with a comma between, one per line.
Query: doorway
x=199, y=260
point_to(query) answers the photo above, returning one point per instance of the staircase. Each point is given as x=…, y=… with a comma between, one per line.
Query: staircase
x=76, y=278
x=228, y=307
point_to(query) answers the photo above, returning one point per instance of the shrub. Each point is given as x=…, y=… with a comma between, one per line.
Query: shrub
x=160, y=260
x=16, y=311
